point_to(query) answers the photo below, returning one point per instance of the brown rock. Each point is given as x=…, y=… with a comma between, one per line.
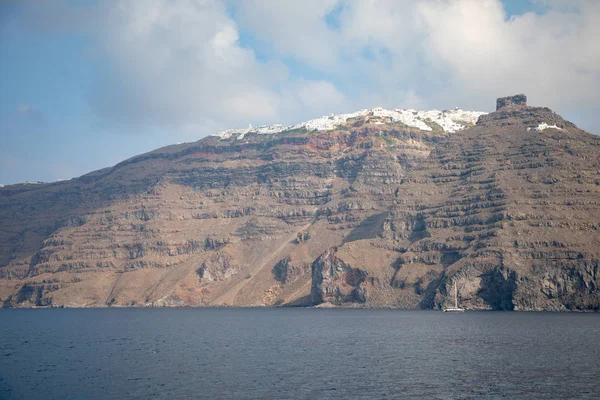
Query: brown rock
x=517, y=100
x=383, y=215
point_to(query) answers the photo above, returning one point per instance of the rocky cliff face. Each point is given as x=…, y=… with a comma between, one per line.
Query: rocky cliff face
x=507, y=210
x=371, y=212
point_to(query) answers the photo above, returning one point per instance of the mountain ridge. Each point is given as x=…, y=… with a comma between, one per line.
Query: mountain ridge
x=371, y=213
x=411, y=117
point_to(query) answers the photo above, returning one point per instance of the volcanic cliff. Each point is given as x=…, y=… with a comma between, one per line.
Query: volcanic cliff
x=372, y=209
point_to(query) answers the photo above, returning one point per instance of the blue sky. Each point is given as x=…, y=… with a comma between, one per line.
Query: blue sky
x=85, y=84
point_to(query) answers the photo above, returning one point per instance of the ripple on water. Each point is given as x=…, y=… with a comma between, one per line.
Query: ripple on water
x=296, y=354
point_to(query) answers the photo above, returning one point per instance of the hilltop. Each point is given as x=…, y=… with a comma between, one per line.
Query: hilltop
x=377, y=208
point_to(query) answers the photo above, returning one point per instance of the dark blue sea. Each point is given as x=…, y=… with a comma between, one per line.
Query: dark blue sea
x=297, y=354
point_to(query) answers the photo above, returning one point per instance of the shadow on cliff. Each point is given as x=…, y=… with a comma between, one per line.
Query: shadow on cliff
x=497, y=290
x=300, y=302
x=428, y=294
x=368, y=229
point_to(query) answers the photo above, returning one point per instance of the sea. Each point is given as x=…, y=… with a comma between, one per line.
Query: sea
x=297, y=353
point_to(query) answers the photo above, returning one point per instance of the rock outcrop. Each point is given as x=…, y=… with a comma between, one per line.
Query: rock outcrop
x=217, y=268
x=335, y=281
x=518, y=100
x=370, y=213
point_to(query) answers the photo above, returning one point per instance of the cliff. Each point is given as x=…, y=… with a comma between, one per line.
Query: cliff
x=372, y=209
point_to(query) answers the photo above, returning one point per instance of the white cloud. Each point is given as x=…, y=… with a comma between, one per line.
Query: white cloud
x=552, y=57
x=294, y=28
x=443, y=53
x=322, y=97
x=181, y=64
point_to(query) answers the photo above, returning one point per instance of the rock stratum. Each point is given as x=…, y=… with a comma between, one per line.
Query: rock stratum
x=372, y=209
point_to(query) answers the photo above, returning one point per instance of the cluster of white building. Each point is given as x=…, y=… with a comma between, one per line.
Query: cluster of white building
x=449, y=121
x=24, y=183
x=544, y=126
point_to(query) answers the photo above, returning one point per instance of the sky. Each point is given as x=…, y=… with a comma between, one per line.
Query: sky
x=85, y=84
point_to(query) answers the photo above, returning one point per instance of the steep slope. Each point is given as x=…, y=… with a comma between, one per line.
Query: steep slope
x=509, y=211
x=377, y=208
x=228, y=220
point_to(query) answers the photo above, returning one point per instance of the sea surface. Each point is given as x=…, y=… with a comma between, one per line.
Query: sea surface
x=297, y=354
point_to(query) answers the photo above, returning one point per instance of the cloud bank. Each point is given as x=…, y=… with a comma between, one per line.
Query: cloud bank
x=204, y=65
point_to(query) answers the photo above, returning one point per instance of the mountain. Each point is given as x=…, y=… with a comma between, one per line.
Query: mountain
x=379, y=208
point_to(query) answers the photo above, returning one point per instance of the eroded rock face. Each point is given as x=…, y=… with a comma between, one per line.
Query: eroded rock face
x=335, y=281
x=514, y=111
x=138, y=232
x=37, y=294
x=510, y=213
x=285, y=271
x=518, y=100
x=371, y=213
x=214, y=243
x=217, y=268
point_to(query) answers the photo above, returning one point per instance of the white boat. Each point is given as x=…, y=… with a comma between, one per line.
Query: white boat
x=456, y=308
